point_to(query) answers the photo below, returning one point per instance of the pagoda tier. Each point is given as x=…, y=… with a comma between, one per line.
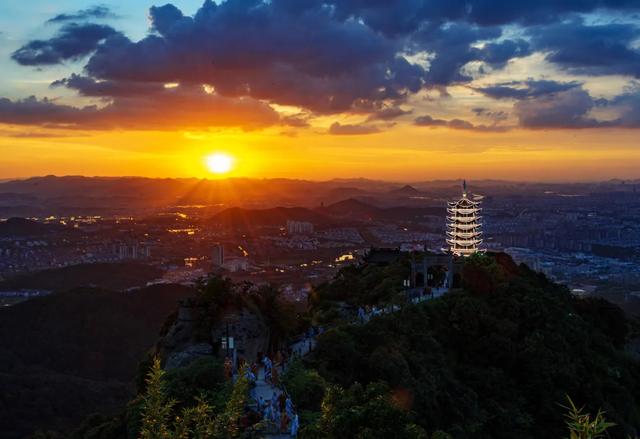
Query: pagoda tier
x=464, y=234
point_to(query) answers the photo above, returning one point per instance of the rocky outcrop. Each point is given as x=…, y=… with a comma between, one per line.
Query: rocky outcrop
x=185, y=340
x=249, y=331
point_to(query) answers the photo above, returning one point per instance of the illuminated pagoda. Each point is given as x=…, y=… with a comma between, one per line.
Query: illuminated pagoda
x=464, y=234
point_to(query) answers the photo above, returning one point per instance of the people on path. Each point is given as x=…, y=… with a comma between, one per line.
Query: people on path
x=289, y=407
x=228, y=368
x=284, y=422
x=276, y=419
x=293, y=430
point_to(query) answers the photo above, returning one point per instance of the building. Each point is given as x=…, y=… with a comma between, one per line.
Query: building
x=132, y=251
x=217, y=255
x=464, y=234
x=235, y=264
x=299, y=227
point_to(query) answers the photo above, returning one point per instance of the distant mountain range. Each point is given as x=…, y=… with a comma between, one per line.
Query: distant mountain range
x=347, y=212
x=76, y=195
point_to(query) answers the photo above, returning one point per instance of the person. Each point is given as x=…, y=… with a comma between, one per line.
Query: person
x=268, y=412
x=278, y=358
x=289, y=406
x=284, y=422
x=293, y=429
x=276, y=419
x=252, y=383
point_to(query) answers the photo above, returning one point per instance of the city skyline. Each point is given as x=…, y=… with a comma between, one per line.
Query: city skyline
x=396, y=91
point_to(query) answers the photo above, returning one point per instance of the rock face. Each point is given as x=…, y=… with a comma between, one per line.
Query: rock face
x=187, y=355
x=249, y=331
x=185, y=340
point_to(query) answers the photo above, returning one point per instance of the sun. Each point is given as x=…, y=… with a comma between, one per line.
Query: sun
x=219, y=162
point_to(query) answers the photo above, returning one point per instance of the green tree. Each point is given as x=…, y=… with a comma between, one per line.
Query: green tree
x=157, y=408
x=584, y=426
x=159, y=420
x=365, y=412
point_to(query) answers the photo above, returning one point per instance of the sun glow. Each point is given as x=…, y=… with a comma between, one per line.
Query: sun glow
x=219, y=163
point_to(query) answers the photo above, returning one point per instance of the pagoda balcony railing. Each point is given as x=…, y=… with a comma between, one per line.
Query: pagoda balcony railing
x=465, y=227
x=464, y=235
x=464, y=242
x=464, y=219
x=464, y=211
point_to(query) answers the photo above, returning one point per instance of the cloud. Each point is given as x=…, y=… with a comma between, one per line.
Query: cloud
x=388, y=113
x=601, y=49
x=499, y=53
x=628, y=106
x=401, y=17
x=495, y=115
x=565, y=109
x=87, y=86
x=525, y=89
x=350, y=130
x=328, y=57
x=175, y=108
x=248, y=49
x=296, y=120
x=95, y=12
x=73, y=41
x=456, y=124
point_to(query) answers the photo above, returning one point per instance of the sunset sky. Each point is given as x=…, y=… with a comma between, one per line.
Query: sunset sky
x=398, y=89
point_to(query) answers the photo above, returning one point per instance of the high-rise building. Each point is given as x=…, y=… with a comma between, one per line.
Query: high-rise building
x=464, y=234
x=299, y=227
x=217, y=255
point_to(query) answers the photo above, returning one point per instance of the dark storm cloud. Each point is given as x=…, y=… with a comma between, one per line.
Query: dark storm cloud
x=604, y=49
x=95, y=12
x=456, y=124
x=175, y=108
x=525, y=89
x=73, y=41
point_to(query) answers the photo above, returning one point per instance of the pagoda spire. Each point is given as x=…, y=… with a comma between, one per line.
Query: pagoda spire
x=464, y=234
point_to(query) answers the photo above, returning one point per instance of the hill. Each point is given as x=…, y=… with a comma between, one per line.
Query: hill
x=351, y=208
x=359, y=210
x=22, y=227
x=405, y=191
x=493, y=360
x=240, y=218
x=70, y=354
x=114, y=276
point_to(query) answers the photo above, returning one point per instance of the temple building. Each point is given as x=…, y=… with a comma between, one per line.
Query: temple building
x=464, y=234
